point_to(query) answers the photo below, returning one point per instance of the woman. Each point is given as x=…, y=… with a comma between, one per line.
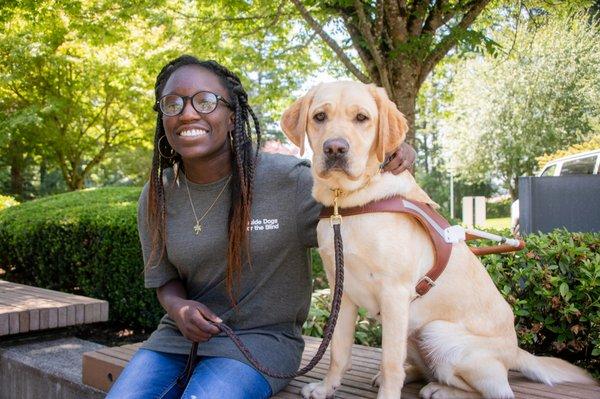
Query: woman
x=224, y=235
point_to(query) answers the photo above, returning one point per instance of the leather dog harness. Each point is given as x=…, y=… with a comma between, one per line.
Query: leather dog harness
x=430, y=219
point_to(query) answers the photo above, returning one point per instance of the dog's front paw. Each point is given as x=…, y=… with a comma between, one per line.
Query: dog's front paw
x=435, y=390
x=318, y=390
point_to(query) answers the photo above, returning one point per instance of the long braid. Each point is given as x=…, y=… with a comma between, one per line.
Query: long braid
x=243, y=165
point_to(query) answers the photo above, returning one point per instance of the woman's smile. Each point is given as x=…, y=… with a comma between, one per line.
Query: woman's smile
x=195, y=135
x=193, y=131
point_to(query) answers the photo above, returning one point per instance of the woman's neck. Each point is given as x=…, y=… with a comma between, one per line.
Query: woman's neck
x=208, y=170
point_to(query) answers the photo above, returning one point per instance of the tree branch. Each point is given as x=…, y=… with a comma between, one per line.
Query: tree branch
x=435, y=18
x=450, y=40
x=297, y=46
x=364, y=55
x=16, y=91
x=62, y=163
x=364, y=25
x=95, y=118
x=396, y=14
x=378, y=25
x=417, y=14
x=97, y=159
x=331, y=43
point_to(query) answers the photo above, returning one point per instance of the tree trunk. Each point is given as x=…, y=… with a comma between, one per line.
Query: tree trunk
x=407, y=102
x=43, y=172
x=75, y=181
x=513, y=188
x=79, y=183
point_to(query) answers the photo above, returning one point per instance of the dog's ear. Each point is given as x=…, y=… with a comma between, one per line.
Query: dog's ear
x=392, y=125
x=295, y=119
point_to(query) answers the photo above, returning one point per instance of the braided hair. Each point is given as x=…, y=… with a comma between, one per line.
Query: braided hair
x=243, y=163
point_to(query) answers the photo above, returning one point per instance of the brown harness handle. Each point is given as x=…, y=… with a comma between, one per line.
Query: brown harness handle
x=497, y=249
x=493, y=249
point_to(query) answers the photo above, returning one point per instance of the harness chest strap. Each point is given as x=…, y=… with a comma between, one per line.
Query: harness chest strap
x=432, y=221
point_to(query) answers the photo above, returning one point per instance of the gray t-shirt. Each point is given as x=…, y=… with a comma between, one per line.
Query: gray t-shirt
x=274, y=297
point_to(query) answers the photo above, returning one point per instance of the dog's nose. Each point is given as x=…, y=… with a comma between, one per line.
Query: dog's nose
x=335, y=148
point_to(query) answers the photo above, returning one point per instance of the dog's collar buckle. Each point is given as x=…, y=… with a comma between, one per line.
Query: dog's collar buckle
x=422, y=289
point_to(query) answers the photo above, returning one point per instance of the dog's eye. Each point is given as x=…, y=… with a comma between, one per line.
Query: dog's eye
x=361, y=117
x=320, y=117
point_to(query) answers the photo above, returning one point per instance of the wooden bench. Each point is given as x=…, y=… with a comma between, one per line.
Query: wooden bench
x=24, y=308
x=102, y=367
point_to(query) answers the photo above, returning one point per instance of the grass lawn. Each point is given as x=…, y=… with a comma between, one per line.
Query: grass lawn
x=499, y=223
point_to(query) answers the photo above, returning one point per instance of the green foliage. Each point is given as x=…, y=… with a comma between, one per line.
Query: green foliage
x=71, y=90
x=77, y=79
x=85, y=242
x=553, y=287
x=319, y=278
x=367, y=331
x=6, y=201
x=541, y=97
x=498, y=209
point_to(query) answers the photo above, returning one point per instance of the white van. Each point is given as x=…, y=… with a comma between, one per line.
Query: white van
x=582, y=163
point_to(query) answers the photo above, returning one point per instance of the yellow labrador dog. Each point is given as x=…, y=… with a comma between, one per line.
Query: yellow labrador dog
x=460, y=335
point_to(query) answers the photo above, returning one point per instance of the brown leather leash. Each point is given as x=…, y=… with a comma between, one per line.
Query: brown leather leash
x=336, y=221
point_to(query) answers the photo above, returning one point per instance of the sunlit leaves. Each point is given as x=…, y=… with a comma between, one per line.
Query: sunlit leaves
x=543, y=96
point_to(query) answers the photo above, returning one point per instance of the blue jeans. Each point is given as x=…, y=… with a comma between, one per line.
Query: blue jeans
x=153, y=375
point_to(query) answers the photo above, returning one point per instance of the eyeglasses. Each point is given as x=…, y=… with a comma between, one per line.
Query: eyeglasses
x=203, y=102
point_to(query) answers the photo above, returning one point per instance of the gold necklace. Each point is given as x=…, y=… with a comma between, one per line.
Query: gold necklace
x=198, y=226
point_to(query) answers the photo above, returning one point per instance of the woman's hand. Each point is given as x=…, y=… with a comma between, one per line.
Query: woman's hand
x=194, y=320
x=401, y=159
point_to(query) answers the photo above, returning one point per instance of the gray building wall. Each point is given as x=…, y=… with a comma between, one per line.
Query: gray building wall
x=571, y=202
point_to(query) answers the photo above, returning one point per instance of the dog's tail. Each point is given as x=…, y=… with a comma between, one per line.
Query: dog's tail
x=551, y=370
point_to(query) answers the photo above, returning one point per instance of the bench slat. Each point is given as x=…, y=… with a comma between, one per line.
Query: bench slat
x=24, y=308
x=105, y=362
x=106, y=370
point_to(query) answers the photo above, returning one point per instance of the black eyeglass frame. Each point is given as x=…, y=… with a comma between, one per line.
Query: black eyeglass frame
x=191, y=98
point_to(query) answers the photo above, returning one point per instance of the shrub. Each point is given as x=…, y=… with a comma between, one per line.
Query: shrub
x=498, y=209
x=553, y=286
x=83, y=242
x=6, y=201
x=367, y=331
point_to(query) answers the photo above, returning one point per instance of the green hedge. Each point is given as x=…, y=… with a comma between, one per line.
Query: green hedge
x=553, y=287
x=500, y=209
x=86, y=242
x=83, y=242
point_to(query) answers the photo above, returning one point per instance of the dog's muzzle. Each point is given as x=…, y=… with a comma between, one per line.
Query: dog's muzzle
x=336, y=152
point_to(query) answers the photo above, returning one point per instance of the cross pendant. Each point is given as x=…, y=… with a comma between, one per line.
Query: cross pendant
x=197, y=228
